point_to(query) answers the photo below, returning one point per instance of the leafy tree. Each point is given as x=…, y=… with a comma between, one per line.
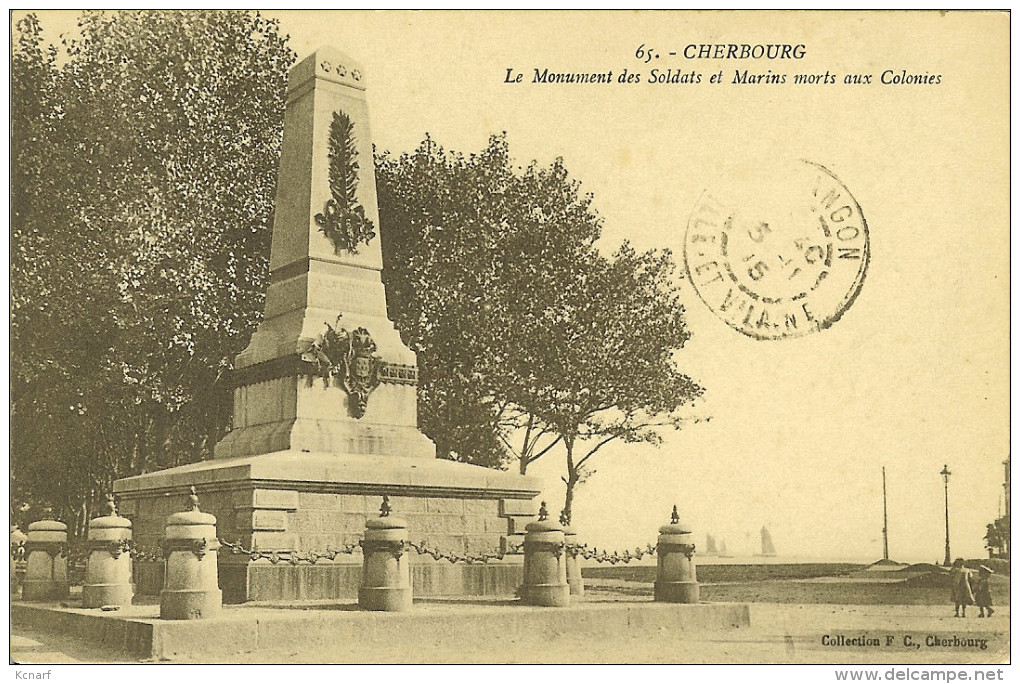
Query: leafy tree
x=471, y=248
x=602, y=364
x=145, y=173
x=997, y=538
x=527, y=337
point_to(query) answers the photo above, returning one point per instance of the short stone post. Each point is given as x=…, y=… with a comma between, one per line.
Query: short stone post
x=46, y=570
x=676, y=580
x=191, y=589
x=108, y=568
x=545, y=563
x=386, y=575
x=574, y=578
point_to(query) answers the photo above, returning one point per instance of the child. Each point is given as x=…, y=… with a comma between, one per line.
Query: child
x=982, y=592
x=959, y=587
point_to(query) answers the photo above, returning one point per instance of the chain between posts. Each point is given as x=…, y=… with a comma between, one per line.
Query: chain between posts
x=613, y=558
x=292, y=557
x=423, y=550
x=78, y=554
x=75, y=554
x=313, y=557
x=581, y=550
x=144, y=554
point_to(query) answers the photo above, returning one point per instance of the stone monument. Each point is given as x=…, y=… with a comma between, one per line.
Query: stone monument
x=325, y=413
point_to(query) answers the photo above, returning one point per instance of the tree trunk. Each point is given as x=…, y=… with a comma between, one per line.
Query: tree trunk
x=525, y=451
x=571, y=479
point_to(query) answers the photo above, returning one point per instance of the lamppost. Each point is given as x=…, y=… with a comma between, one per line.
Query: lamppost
x=945, y=480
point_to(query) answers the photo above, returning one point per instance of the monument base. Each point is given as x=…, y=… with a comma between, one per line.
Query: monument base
x=243, y=580
x=317, y=503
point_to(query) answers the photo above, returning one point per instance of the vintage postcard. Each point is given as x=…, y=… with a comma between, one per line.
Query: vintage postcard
x=511, y=337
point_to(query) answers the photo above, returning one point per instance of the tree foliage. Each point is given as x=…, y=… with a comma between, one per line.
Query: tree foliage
x=997, y=537
x=472, y=246
x=145, y=169
x=602, y=365
x=527, y=336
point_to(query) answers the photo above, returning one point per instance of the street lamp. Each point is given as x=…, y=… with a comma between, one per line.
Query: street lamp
x=945, y=480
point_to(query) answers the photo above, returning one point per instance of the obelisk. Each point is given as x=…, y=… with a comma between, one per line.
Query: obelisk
x=325, y=413
x=325, y=314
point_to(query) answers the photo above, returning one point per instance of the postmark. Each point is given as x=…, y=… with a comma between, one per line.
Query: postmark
x=778, y=252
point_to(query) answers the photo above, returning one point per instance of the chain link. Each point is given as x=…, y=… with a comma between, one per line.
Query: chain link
x=613, y=558
x=76, y=556
x=422, y=549
x=141, y=553
x=292, y=557
x=313, y=557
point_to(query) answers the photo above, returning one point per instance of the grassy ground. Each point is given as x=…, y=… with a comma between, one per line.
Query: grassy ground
x=819, y=583
x=729, y=573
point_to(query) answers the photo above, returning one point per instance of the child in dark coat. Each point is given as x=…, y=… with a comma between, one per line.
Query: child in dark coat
x=982, y=592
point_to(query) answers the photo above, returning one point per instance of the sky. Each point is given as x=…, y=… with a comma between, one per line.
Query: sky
x=915, y=375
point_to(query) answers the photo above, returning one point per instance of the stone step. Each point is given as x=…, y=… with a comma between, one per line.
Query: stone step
x=341, y=626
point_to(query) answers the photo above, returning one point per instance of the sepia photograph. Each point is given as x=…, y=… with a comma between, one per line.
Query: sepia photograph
x=510, y=337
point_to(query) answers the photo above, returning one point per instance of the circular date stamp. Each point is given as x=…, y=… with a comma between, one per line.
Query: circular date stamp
x=778, y=253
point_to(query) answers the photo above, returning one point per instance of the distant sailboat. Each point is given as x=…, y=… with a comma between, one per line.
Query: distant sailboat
x=710, y=548
x=767, y=547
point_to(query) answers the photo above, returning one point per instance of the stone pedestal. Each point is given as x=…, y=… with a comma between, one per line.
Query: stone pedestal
x=108, y=569
x=545, y=564
x=46, y=567
x=192, y=591
x=313, y=502
x=325, y=399
x=676, y=578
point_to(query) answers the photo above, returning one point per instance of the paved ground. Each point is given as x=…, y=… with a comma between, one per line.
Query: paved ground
x=787, y=633
x=30, y=646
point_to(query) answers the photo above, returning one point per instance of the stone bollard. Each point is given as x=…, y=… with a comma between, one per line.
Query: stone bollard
x=191, y=590
x=574, y=578
x=108, y=568
x=386, y=575
x=46, y=570
x=545, y=563
x=676, y=580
